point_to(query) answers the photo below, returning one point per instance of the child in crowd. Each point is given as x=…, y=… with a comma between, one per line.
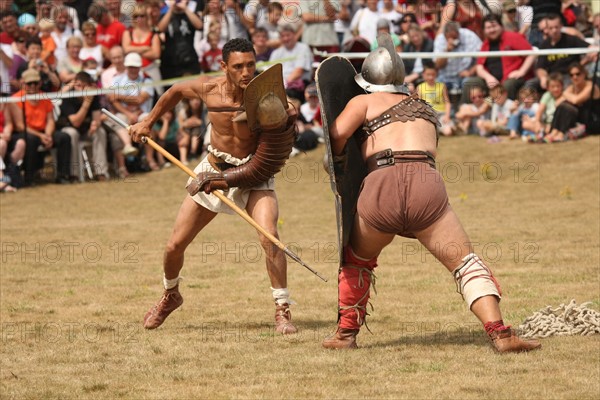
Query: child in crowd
x=470, y=113
x=306, y=139
x=90, y=65
x=436, y=94
x=548, y=103
x=48, y=44
x=211, y=59
x=191, y=116
x=525, y=114
x=502, y=108
x=168, y=132
x=309, y=109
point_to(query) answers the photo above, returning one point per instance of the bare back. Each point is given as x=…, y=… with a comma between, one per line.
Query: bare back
x=411, y=135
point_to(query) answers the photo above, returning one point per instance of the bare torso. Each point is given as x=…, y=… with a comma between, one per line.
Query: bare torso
x=231, y=137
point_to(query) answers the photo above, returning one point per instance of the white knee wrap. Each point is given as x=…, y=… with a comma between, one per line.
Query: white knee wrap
x=474, y=280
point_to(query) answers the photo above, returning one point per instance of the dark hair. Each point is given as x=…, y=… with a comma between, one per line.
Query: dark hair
x=274, y=6
x=84, y=77
x=553, y=17
x=578, y=67
x=237, y=46
x=429, y=65
x=491, y=17
x=33, y=40
x=8, y=13
x=413, y=18
x=21, y=36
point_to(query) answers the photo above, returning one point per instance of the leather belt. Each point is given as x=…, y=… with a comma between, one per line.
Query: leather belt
x=218, y=164
x=387, y=158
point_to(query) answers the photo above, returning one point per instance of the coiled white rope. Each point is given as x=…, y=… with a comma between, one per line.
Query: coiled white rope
x=570, y=319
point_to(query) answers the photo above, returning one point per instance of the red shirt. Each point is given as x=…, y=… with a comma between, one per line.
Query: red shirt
x=111, y=35
x=509, y=41
x=35, y=115
x=5, y=38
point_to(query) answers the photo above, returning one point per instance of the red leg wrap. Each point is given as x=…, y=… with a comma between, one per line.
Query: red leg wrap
x=354, y=284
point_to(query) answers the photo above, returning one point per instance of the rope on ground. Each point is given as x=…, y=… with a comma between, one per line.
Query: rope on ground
x=569, y=319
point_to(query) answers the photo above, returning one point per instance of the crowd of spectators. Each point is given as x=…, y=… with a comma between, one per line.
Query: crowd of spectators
x=137, y=48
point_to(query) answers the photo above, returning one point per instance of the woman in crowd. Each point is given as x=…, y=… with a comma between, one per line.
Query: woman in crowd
x=142, y=40
x=90, y=48
x=68, y=67
x=581, y=98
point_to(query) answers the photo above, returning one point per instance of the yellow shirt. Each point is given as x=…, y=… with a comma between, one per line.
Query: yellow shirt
x=434, y=95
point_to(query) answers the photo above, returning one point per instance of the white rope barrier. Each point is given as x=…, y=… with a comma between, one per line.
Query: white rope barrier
x=410, y=55
x=476, y=54
x=52, y=96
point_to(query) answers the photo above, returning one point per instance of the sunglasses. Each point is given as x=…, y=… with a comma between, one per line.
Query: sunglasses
x=20, y=40
x=32, y=83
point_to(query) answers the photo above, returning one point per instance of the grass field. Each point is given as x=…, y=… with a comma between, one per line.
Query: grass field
x=82, y=264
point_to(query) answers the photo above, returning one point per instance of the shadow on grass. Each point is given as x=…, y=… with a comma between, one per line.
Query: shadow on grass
x=458, y=338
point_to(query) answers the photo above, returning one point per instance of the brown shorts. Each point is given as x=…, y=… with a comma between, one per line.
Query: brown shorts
x=404, y=198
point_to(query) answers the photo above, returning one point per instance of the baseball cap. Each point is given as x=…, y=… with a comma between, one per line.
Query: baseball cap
x=133, y=60
x=509, y=5
x=26, y=19
x=31, y=75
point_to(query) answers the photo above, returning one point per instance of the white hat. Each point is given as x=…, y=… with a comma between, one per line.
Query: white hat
x=133, y=60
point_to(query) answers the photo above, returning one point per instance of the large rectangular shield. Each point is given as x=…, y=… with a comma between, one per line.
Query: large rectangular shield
x=336, y=86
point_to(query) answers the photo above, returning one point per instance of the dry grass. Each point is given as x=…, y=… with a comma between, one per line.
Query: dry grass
x=81, y=265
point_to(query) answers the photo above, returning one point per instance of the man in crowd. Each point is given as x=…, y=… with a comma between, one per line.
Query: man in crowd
x=80, y=118
x=41, y=131
x=548, y=64
x=455, y=72
x=510, y=71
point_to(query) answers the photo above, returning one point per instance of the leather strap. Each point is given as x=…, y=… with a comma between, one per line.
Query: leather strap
x=409, y=109
x=218, y=164
x=387, y=158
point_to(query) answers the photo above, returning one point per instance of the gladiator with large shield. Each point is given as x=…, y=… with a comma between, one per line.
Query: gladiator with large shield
x=381, y=144
x=253, y=131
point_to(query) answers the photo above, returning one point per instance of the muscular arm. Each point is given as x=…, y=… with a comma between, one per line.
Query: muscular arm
x=347, y=122
x=196, y=89
x=578, y=98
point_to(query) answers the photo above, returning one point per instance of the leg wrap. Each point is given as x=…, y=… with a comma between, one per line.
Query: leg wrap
x=354, y=284
x=474, y=280
x=274, y=147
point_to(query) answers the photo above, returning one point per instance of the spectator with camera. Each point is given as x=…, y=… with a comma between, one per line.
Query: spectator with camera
x=179, y=57
x=50, y=82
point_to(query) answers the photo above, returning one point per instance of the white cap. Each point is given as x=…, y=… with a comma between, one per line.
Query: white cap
x=133, y=60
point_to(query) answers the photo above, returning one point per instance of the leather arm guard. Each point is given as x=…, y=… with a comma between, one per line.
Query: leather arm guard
x=274, y=148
